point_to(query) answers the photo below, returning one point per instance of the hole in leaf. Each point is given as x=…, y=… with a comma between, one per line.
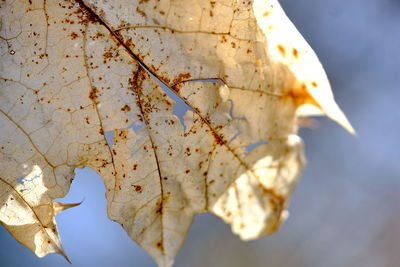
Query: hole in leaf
x=137, y=127
x=110, y=137
x=180, y=108
x=251, y=147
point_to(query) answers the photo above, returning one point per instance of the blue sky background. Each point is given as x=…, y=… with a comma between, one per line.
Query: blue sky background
x=345, y=211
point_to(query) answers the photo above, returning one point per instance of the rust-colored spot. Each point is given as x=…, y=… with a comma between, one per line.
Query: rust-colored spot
x=181, y=77
x=107, y=55
x=188, y=153
x=177, y=87
x=99, y=34
x=164, y=78
x=282, y=50
x=219, y=139
x=48, y=241
x=85, y=14
x=101, y=131
x=295, y=53
x=313, y=83
x=93, y=93
x=160, y=246
x=141, y=12
x=126, y=108
x=73, y=35
x=300, y=96
x=137, y=188
x=187, y=171
x=135, y=166
x=223, y=39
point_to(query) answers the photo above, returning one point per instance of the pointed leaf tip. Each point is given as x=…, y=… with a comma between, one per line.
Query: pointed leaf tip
x=336, y=114
x=59, y=206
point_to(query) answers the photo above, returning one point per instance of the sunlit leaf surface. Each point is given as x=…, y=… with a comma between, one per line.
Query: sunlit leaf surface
x=201, y=99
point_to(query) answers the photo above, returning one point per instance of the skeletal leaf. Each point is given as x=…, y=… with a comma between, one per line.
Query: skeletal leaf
x=72, y=72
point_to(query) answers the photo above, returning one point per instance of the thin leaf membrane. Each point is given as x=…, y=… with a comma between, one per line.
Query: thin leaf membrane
x=72, y=71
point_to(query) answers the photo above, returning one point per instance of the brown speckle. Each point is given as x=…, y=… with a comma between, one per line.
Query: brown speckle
x=219, y=138
x=93, y=93
x=181, y=77
x=107, y=55
x=137, y=188
x=282, y=50
x=73, y=35
x=295, y=53
x=160, y=246
x=126, y=108
x=141, y=12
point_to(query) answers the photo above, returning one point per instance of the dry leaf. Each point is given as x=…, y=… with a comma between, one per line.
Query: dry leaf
x=73, y=71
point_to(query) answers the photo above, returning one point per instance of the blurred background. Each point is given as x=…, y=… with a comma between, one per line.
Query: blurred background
x=346, y=209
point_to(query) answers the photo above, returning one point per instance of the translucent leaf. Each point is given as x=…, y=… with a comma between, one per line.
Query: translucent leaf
x=201, y=99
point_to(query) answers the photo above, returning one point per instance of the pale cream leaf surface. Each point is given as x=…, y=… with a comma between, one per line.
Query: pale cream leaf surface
x=72, y=72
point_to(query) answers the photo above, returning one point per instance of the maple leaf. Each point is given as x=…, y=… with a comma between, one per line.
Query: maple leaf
x=72, y=71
